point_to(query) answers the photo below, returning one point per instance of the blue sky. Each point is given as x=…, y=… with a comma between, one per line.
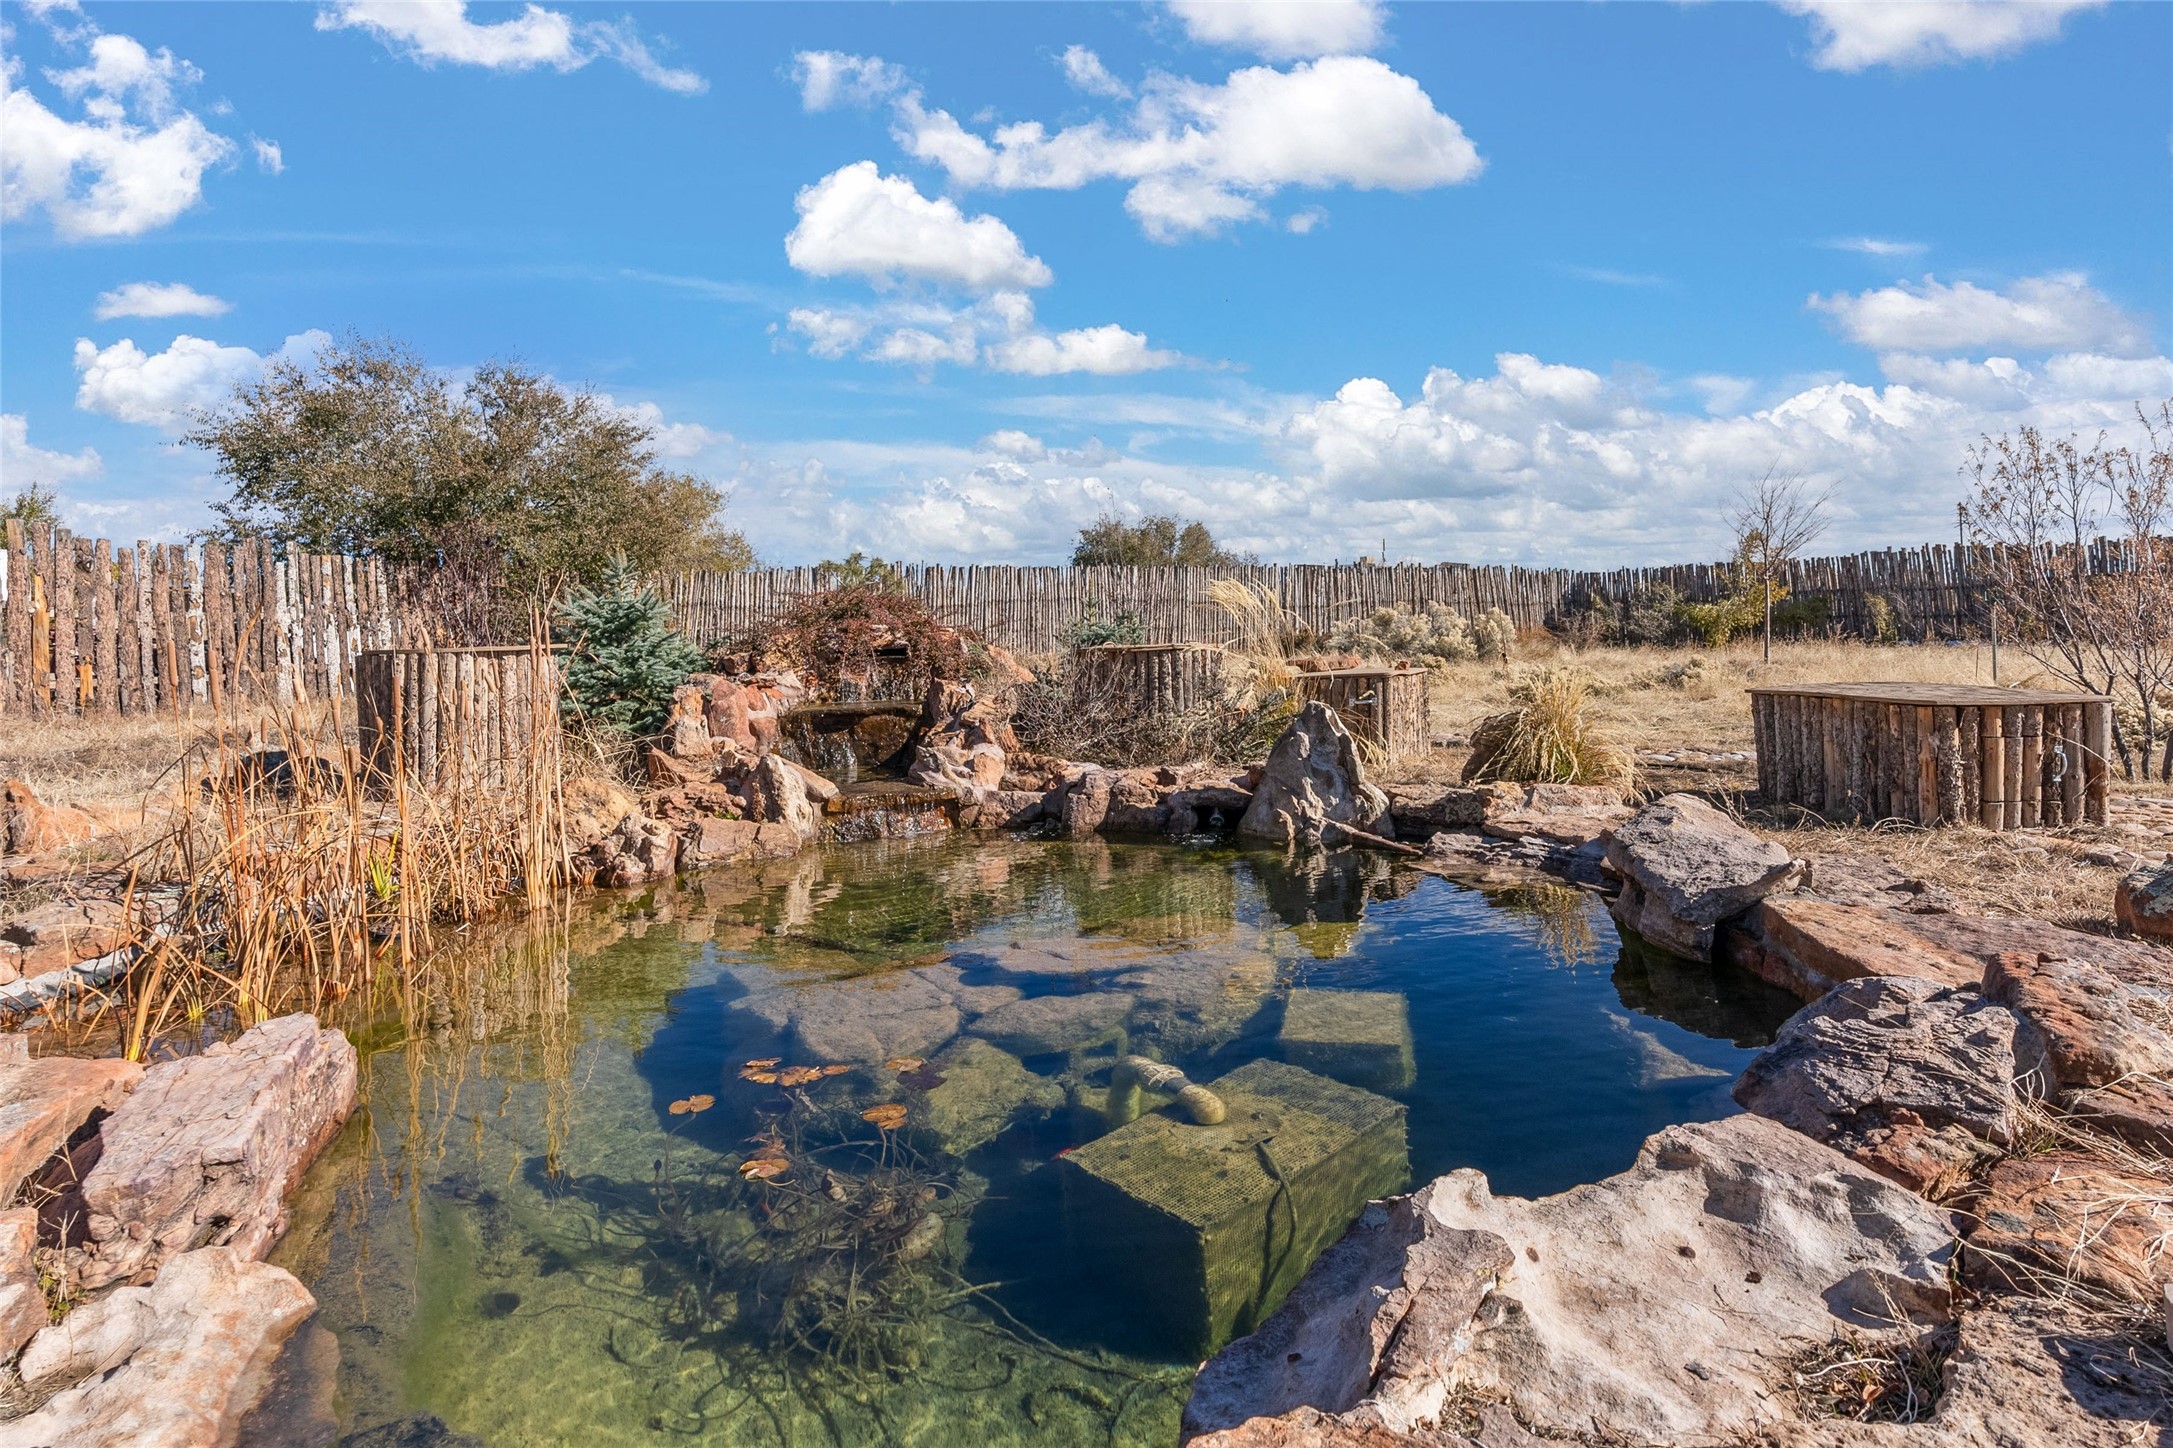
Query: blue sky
x=1531, y=282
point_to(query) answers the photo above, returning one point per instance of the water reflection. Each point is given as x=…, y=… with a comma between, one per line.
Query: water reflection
x=909, y=1206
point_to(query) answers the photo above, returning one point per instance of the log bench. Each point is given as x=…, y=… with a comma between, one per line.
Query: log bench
x=1934, y=754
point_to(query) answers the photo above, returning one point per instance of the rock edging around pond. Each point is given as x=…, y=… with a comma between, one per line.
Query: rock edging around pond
x=1890, y=1196
x=163, y=1192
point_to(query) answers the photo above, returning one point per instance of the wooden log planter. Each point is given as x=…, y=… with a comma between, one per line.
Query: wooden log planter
x=1383, y=705
x=1163, y=679
x=468, y=716
x=1935, y=754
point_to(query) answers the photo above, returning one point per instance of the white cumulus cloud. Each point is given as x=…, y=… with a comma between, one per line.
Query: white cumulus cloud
x=269, y=157
x=1283, y=29
x=1106, y=351
x=429, y=31
x=158, y=299
x=856, y=221
x=1198, y=157
x=829, y=79
x=2057, y=311
x=1084, y=69
x=165, y=389
x=132, y=162
x=25, y=465
x=1855, y=35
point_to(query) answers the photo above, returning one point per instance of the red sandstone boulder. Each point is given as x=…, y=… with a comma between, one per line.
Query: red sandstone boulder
x=2046, y=1221
x=2143, y=902
x=205, y=1149
x=43, y=1102
x=1811, y=946
x=22, y=1300
x=29, y=826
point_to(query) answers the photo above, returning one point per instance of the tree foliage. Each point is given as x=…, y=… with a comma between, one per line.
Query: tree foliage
x=525, y=485
x=1155, y=541
x=624, y=659
x=36, y=506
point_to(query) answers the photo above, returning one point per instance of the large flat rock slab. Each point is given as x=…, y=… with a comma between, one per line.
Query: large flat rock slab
x=176, y=1365
x=1911, y=1078
x=1811, y=946
x=1655, y=1306
x=2098, y=1021
x=204, y=1150
x=22, y=1299
x=43, y=1102
x=1685, y=867
x=2044, y=1222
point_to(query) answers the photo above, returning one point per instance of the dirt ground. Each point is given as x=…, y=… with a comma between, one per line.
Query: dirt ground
x=1687, y=714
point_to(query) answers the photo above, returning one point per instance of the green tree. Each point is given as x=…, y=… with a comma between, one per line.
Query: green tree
x=509, y=478
x=36, y=506
x=857, y=567
x=624, y=659
x=1155, y=541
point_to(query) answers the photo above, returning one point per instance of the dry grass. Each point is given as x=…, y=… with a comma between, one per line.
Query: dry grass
x=1550, y=734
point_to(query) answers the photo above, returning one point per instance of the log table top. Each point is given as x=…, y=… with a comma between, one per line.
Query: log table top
x=1975, y=696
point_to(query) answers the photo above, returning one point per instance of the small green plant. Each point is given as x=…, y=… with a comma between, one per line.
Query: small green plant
x=624, y=658
x=1091, y=628
x=857, y=567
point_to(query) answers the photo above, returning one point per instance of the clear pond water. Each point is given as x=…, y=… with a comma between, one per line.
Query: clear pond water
x=567, y=1215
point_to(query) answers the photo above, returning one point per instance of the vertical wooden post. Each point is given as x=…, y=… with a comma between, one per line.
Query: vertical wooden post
x=2033, y=766
x=105, y=628
x=19, y=692
x=1994, y=768
x=1927, y=766
x=2098, y=732
x=2011, y=767
x=1969, y=722
x=2078, y=769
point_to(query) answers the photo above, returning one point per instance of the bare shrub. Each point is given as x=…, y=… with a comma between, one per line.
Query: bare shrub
x=2075, y=550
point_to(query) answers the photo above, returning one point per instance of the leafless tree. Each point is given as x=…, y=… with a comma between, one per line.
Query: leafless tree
x=2077, y=553
x=1774, y=523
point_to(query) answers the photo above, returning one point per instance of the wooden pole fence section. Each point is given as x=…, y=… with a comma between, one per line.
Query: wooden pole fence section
x=88, y=626
x=91, y=626
x=1935, y=754
x=472, y=716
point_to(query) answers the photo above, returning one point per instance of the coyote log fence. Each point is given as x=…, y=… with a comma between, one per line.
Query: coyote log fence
x=95, y=628
x=91, y=626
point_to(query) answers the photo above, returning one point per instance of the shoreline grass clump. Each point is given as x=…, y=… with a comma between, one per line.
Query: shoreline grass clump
x=1549, y=736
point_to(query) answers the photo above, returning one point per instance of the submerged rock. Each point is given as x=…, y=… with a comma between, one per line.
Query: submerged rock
x=1039, y=1025
x=1686, y=867
x=206, y=1147
x=1313, y=781
x=983, y=1091
x=1913, y=1079
x=194, y=1348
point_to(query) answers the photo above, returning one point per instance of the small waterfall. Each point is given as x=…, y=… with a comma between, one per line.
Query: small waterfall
x=849, y=742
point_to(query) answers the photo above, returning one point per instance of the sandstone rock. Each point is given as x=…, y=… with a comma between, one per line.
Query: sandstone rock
x=1311, y=1428
x=214, y=1323
x=2143, y=902
x=1313, y=780
x=2044, y=1375
x=29, y=826
x=594, y=807
x=720, y=842
x=22, y=1301
x=1138, y=805
x=1003, y=809
x=666, y=769
x=640, y=849
x=983, y=1090
x=205, y=1148
x=43, y=1102
x=726, y=714
x=96, y=1337
x=1868, y=880
x=819, y=790
x=1913, y=1079
x=1988, y=937
x=1686, y=867
x=1343, y=1324
x=2138, y=1110
x=1650, y=1307
x=1085, y=803
x=2044, y=1221
x=1041, y=1024
x=686, y=727
x=777, y=793
x=1421, y=809
x=1813, y=945
x=2095, y=1024
x=67, y=931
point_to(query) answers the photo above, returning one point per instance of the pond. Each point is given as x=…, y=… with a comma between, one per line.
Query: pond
x=879, y=1145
